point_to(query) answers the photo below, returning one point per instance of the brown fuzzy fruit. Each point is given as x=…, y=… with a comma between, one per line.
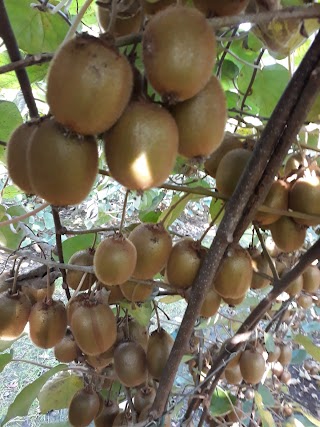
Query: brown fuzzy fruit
x=83, y=407
x=285, y=354
x=14, y=313
x=114, y=260
x=89, y=85
x=295, y=286
x=230, y=170
x=74, y=303
x=66, y=350
x=153, y=244
x=130, y=363
x=311, y=279
x=304, y=301
x=232, y=302
x=138, y=333
x=201, y=121
x=294, y=162
x=288, y=235
x=273, y=356
x=212, y=8
x=233, y=375
x=128, y=20
x=133, y=160
x=252, y=366
x=108, y=414
x=17, y=156
x=277, y=369
x=136, y=292
x=89, y=323
x=277, y=198
x=47, y=323
x=183, y=263
x=260, y=265
x=235, y=274
x=84, y=258
x=210, y=304
x=123, y=419
x=143, y=397
x=179, y=52
x=159, y=347
x=115, y=293
x=62, y=168
x=304, y=196
x=285, y=377
x=102, y=360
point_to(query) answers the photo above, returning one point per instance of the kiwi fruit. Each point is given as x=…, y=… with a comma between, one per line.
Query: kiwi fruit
x=153, y=244
x=128, y=20
x=143, y=397
x=89, y=323
x=277, y=369
x=211, y=304
x=252, y=366
x=17, y=147
x=123, y=419
x=234, y=276
x=295, y=286
x=201, y=121
x=62, y=168
x=260, y=264
x=294, y=163
x=236, y=414
x=89, y=84
x=115, y=294
x=311, y=279
x=14, y=313
x=4, y=284
x=273, y=356
x=101, y=361
x=115, y=260
x=277, y=198
x=232, y=302
x=304, y=196
x=304, y=301
x=288, y=235
x=66, y=350
x=138, y=333
x=136, y=292
x=151, y=8
x=285, y=354
x=37, y=290
x=179, y=52
x=83, y=258
x=47, y=323
x=74, y=303
x=233, y=374
x=130, y=363
x=133, y=160
x=83, y=407
x=285, y=376
x=183, y=263
x=230, y=170
x=159, y=347
x=108, y=414
x=212, y=8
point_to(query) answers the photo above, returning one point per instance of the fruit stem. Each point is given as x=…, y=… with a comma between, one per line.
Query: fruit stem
x=76, y=22
x=155, y=305
x=48, y=284
x=15, y=279
x=113, y=16
x=172, y=208
x=211, y=225
x=124, y=211
x=94, y=242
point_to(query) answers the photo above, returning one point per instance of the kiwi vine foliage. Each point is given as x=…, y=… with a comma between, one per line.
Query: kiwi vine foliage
x=253, y=79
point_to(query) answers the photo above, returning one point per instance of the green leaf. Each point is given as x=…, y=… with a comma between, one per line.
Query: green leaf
x=298, y=356
x=5, y=359
x=58, y=392
x=10, y=118
x=77, y=243
x=214, y=209
x=266, y=416
x=266, y=396
x=8, y=237
x=4, y=345
x=233, y=99
x=2, y=211
x=23, y=401
x=311, y=418
x=141, y=313
x=35, y=31
x=11, y=191
x=220, y=402
x=311, y=348
x=269, y=341
x=170, y=299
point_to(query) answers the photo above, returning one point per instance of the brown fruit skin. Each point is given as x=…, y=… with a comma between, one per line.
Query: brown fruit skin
x=62, y=169
x=201, y=121
x=159, y=347
x=285, y=354
x=233, y=375
x=115, y=260
x=89, y=323
x=143, y=397
x=138, y=333
x=304, y=301
x=155, y=7
x=74, y=303
x=130, y=364
x=136, y=292
x=235, y=274
x=252, y=366
x=232, y=302
x=295, y=286
x=14, y=313
x=153, y=244
x=183, y=263
x=108, y=414
x=260, y=264
x=287, y=235
x=285, y=377
x=135, y=162
x=66, y=350
x=293, y=163
x=212, y=8
x=102, y=360
x=277, y=369
x=89, y=85
x=230, y=170
x=128, y=21
x=115, y=295
x=274, y=355
x=48, y=323
x=211, y=304
x=122, y=420
x=17, y=156
x=83, y=407
x=74, y=277
x=277, y=198
x=179, y=52
x=304, y=196
x=311, y=279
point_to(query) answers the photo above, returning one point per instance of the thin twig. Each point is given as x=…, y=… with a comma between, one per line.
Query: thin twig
x=24, y=216
x=266, y=254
